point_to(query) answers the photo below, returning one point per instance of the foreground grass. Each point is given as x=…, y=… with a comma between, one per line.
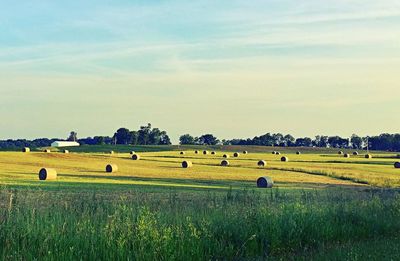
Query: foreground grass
x=374, y=249
x=236, y=224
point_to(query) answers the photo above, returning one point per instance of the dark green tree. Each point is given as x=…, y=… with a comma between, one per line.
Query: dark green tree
x=278, y=139
x=134, y=137
x=321, y=141
x=164, y=139
x=288, y=140
x=338, y=142
x=356, y=142
x=155, y=136
x=99, y=140
x=208, y=139
x=122, y=136
x=73, y=136
x=144, y=134
x=186, y=139
x=304, y=142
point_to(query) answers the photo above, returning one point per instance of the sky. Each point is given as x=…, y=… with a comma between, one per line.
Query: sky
x=236, y=69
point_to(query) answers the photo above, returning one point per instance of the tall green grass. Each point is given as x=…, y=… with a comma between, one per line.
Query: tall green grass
x=233, y=225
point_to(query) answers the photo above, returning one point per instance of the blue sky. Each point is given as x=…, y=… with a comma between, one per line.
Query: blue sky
x=233, y=68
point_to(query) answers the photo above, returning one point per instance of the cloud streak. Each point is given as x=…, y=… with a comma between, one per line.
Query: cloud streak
x=147, y=59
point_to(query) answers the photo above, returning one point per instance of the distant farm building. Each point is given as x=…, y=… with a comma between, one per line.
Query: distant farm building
x=65, y=144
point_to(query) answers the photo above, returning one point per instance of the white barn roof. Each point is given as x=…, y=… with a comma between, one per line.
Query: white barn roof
x=65, y=144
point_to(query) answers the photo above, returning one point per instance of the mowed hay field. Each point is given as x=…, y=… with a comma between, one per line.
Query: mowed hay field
x=153, y=209
x=164, y=169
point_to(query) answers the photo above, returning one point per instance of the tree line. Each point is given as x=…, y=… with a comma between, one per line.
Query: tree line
x=387, y=142
x=147, y=135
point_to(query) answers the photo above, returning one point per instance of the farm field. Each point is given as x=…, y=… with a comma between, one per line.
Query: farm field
x=153, y=209
x=199, y=130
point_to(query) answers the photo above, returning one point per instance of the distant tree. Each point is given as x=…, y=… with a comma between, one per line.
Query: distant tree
x=43, y=142
x=265, y=140
x=384, y=141
x=396, y=142
x=233, y=142
x=158, y=137
x=304, y=142
x=208, y=139
x=226, y=142
x=366, y=142
x=122, y=136
x=134, y=136
x=99, y=140
x=73, y=136
x=247, y=142
x=338, y=142
x=186, y=139
x=288, y=140
x=164, y=139
x=87, y=141
x=334, y=141
x=154, y=136
x=321, y=141
x=356, y=142
x=278, y=139
x=144, y=134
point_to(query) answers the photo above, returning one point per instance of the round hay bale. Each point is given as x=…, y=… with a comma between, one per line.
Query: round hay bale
x=187, y=164
x=111, y=168
x=47, y=151
x=298, y=152
x=368, y=156
x=236, y=154
x=226, y=156
x=196, y=152
x=340, y=152
x=355, y=153
x=132, y=152
x=397, y=165
x=245, y=152
x=261, y=163
x=213, y=153
x=274, y=152
x=111, y=152
x=284, y=159
x=265, y=182
x=205, y=152
x=347, y=155
x=277, y=153
x=225, y=163
x=26, y=150
x=65, y=151
x=182, y=153
x=47, y=174
x=135, y=157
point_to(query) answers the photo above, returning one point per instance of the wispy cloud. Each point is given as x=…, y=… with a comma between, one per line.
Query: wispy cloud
x=237, y=31
x=269, y=56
